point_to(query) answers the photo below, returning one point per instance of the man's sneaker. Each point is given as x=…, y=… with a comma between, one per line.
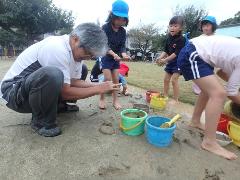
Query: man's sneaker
x=47, y=132
x=35, y=126
x=66, y=108
x=51, y=132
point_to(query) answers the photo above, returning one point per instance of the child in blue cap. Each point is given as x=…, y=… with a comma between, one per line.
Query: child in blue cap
x=208, y=27
x=175, y=42
x=114, y=29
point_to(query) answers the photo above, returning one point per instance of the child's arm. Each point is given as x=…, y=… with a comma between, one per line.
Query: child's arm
x=123, y=47
x=163, y=55
x=179, y=45
x=125, y=56
x=167, y=59
x=233, y=86
x=225, y=77
x=114, y=55
x=222, y=75
x=235, y=99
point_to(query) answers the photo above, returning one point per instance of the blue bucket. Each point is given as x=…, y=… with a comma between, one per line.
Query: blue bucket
x=160, y=137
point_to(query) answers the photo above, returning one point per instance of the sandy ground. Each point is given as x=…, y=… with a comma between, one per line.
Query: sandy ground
x=84, y=152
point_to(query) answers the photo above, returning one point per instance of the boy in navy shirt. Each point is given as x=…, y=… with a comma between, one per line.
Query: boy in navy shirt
x=116, y=34
x=175, y=42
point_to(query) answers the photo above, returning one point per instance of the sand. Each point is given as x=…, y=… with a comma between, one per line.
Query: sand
x=93, y=147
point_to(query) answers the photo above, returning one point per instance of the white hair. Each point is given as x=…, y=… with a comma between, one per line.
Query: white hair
x=92, y=38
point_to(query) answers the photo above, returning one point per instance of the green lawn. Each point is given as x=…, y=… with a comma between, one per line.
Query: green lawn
x=150, y=76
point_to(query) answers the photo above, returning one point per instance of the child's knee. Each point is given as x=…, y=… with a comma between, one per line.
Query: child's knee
x=221, y=94
x=107, y=79
x=167, y=80
x=174, y=80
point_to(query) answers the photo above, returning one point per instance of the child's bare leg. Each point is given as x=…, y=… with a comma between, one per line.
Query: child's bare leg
x=107, y=77
x=115, y=78
x=124, y=89
x=175, y=85
x=167, y=79
x=198, y=110
x=217, y=95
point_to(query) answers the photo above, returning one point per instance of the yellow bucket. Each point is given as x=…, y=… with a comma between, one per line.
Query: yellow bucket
x=158, y=102
x=234, y=132
x=228, y=111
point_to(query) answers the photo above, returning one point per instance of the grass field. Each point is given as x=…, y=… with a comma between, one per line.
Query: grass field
x=143, y=75
x=150, y=76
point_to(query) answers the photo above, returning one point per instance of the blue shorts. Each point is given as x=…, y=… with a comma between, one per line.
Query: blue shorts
x=191, y=64
x=172, y=67
x=107, y=62
x=122, y=79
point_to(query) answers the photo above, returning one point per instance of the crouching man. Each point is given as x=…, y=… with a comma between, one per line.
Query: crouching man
x=51, y=70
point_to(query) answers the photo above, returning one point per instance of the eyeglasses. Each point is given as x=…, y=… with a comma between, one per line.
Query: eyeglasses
x=87, y=53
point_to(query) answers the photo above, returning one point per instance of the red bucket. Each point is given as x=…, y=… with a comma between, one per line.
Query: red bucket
x=222, y=123
x=151, y=93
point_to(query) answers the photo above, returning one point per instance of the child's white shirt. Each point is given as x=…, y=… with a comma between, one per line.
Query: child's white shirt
x=221, y=52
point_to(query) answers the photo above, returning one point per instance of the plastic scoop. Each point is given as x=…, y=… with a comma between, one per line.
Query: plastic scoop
x=171, y=122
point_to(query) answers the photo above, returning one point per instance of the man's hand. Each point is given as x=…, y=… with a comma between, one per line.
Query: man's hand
x=108, y=86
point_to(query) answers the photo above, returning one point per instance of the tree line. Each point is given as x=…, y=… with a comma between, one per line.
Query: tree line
x=22, y=21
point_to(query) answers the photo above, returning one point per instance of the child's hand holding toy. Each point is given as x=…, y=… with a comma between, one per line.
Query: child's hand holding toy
x=125, y=57
x=161, y=62
x=116, y=57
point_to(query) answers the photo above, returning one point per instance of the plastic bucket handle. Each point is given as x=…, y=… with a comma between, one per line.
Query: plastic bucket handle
x=228, y=129
x=229, y=132
x=130, y=128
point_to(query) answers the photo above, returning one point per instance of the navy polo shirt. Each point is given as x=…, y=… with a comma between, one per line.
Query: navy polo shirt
x=116, y=40
x=174, y=44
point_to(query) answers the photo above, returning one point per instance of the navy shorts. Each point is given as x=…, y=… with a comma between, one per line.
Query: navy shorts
x=191, y=64
x=172, y=67
x=107, y=62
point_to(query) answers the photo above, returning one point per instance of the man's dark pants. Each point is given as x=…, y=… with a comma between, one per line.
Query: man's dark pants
x=38, y=94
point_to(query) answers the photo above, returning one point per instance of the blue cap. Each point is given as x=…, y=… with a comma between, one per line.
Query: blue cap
x=211, y=19
x=120, y=8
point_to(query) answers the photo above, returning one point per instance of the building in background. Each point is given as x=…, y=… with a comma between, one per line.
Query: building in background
x=229, y=30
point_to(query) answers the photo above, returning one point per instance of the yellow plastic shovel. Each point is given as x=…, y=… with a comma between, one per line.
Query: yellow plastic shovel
x=171, y=122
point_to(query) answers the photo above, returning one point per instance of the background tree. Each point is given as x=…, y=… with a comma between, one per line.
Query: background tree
x=31, y=18
x=158, y=42
x=234, y=20
x=147, y=38
x=7, y=37
x=142, y=38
